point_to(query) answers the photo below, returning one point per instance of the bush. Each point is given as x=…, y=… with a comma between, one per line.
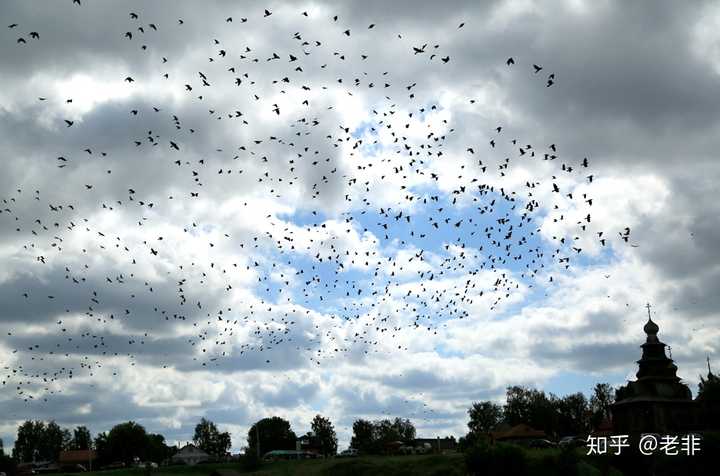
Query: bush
x=501, y=459
x=568, y=461
x=7, y=465
x=250, y=461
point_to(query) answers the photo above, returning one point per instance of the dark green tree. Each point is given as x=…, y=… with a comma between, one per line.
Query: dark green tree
x=709, y=399
x=37, y=441
x=123, y=443
x=384, y=432
x=209, y=439
x=157, y=450
x=372, y=437
x=531, y=407
x=81, y=440
x=101, y=448
x=7, y=464
x=404, y=429
x=54, y=440
x=325, y=434
x=574, y=414
x=517, y=405
x=28, y=442
x=484, y=416
x=275, y=434
x=600, y=402
x=709, y=389
x=363, y=438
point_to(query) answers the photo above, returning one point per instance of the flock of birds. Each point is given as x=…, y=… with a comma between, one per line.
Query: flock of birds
x=476, y=243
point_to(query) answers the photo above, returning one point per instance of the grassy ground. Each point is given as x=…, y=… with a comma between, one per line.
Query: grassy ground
x=420, y=465
x=430, y=465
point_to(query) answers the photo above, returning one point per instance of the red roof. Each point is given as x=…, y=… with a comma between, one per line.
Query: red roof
x=76, y=456
x=518, y=432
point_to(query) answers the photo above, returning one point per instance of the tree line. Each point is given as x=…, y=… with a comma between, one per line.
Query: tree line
x=38, y=441
x=275, y=433
x=127, y=442
x=372, y=437
x=572, y=414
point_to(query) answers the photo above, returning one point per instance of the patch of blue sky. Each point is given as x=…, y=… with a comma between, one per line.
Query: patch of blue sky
x=368, y=149
x=445, y=351
x=335, y=289
x=365, y=127
x=567, y=382
x=323, y=286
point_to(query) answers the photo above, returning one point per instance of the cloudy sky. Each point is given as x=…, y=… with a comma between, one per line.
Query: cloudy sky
x=227, y=234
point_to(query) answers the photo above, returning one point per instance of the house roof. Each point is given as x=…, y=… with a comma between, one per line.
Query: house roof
x=443, y=443
x=517, y=432
x=190, y=450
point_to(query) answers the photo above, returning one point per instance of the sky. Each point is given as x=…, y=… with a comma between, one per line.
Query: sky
x=225, y=212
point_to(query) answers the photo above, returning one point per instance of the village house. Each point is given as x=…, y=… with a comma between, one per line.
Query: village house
x=190, y=455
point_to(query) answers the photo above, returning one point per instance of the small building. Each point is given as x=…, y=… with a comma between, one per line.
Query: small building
x=438, y=445
x=517, y=433
x=309, y=443
x=190, y=455
x=85, y=458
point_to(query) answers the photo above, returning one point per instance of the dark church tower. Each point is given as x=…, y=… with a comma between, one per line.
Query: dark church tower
x=657, y=371
x=657, y=402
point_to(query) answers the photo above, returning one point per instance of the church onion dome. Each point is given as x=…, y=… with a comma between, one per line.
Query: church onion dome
x=651, y=329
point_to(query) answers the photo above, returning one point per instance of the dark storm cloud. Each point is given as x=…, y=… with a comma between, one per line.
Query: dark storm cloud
x=587, y=357
x=68, y=408
x=443, y=387
x=53, y=293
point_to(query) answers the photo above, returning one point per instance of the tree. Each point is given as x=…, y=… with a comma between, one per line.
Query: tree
x=275, y=434
x=363, y=436
x=404, y=429
x=81, y=440
x=517, y=405
x=709, y=389
x=209, y=439
x=37, y=441
x=372, y=437
x=55, y=439
x=101, y=448
x=157, y=450
x=531, y=407
x=600, y=402
x=574, y=414
x=28, y=441
x=325, y=434
x=123, y=442
x=484, y=416
x=7, y=465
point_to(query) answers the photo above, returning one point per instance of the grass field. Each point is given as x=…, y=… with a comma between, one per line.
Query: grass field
x=420, y=465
